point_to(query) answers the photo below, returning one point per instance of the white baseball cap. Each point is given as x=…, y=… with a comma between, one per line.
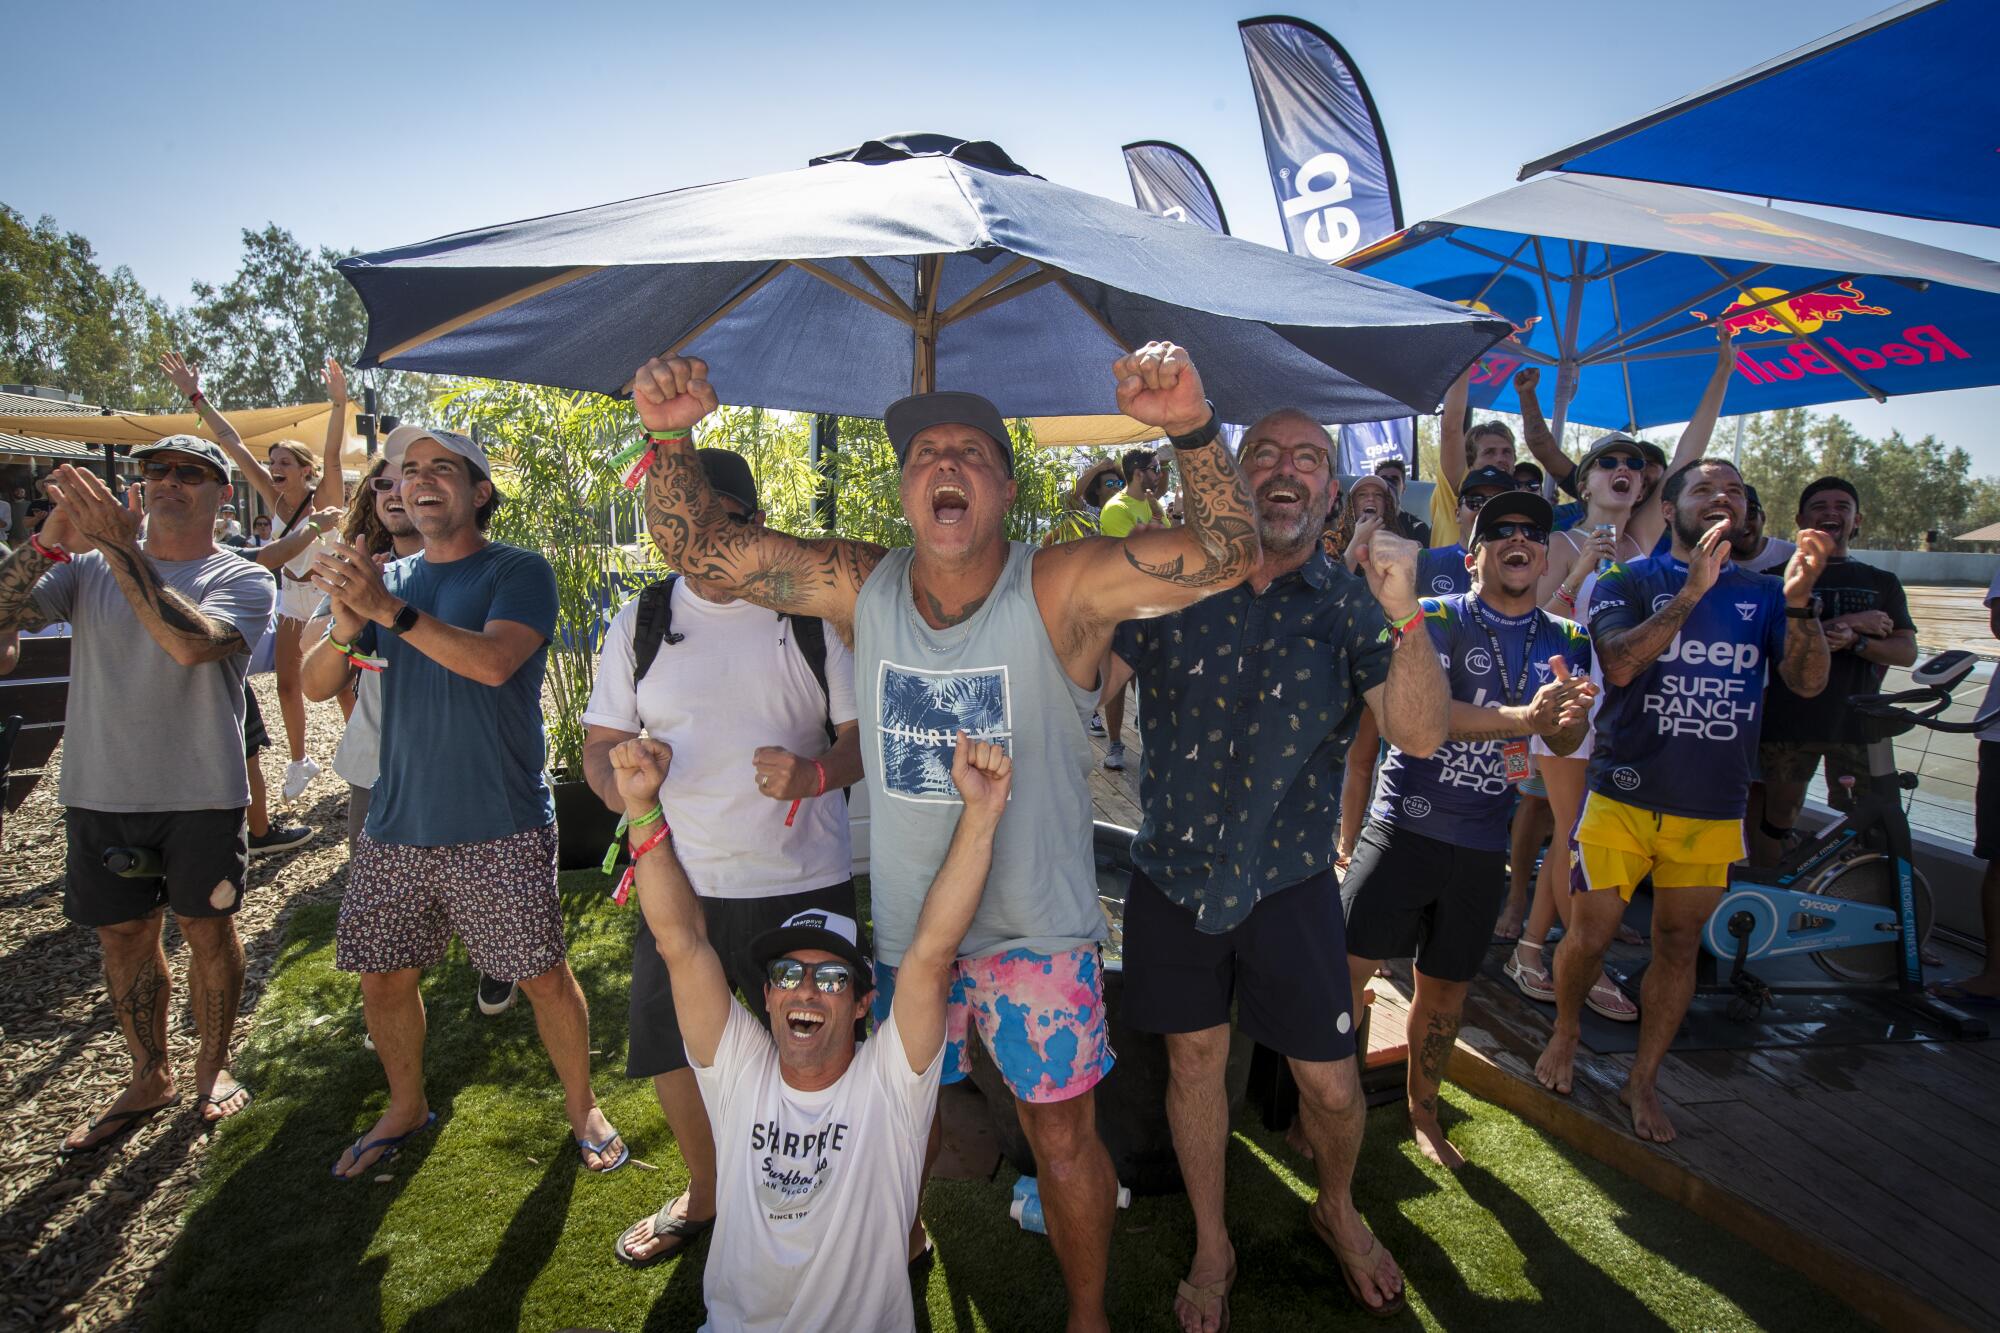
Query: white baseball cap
x=401, y=438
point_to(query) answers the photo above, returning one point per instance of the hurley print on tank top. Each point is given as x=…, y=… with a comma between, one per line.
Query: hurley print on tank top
x=922, y=713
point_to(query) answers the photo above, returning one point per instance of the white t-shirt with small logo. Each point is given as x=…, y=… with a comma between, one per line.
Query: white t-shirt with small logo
x=815, y=1191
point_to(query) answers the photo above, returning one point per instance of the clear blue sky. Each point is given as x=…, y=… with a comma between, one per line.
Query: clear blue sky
x=162, y=131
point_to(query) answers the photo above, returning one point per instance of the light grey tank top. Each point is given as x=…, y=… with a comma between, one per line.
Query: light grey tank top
x=995, y=676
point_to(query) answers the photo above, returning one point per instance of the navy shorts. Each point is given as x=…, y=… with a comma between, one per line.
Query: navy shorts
x=1409, y=895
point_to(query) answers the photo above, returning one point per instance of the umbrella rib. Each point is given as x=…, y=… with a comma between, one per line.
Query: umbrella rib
x=680, y=344
x=1624, y=342
x=1812, y=342
x=1494, y=255
x=1001, y=297
x=1063, y=281
x=1500, y=272
x=1548, y=291
x=957, y=310
x=898, y=312
x=879, y=283
x=492, y=307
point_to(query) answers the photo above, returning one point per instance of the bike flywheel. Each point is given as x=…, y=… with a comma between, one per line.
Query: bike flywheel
x=1870, y=879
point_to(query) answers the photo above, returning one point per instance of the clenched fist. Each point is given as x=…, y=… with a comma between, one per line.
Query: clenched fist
x=1159, y=385
x=640, y=765
x=1389, y=563
x=672, y=392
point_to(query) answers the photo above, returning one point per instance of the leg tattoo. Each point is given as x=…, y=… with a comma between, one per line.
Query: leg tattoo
x=1439, y=1034
x=139, y=1008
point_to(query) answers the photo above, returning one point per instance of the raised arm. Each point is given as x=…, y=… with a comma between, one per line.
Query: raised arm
x=701, y=988
x=276, y=555
x=1625, y=651
x=490, y=654
x=1413, y=706
x=19, y=573
x=1535, y=432
x=819, y=577
x=1804, y=666
x=1694, y=440
x=1086, y=587
x=984, y=775
x=187, y=379
x=188, y=634
x=1451, y=429
x=332, y=488
x=1559, y=713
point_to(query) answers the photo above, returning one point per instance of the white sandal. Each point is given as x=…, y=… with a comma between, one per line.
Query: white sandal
x=1533, y=979
x=1607, y=1001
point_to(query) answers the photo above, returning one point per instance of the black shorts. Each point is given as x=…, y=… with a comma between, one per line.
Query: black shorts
x=255, y=738
x=656, y=1046
x=1408, y=895
x=1986, y=804
x=1285, y=965
x=205, y=854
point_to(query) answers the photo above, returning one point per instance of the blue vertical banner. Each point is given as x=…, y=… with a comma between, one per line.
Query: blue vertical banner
x=1169, y=183
x=1331, y=170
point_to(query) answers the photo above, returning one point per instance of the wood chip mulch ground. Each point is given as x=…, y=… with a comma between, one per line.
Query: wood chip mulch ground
x=82, y=1242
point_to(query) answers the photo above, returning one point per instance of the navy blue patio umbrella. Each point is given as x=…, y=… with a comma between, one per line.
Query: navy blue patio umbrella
x=1898, y=113
x=1619, y=285
x=904, y=265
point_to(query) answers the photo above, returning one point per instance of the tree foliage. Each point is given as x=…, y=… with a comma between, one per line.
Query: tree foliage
x=1908, y=488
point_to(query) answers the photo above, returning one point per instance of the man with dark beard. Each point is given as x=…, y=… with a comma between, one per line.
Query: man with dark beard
x=1234, y=899
x=1685, y=642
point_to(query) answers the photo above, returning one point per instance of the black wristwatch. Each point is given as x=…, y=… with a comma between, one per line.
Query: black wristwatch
x=1204, y=434
x=1810, y=611
x=405, y=621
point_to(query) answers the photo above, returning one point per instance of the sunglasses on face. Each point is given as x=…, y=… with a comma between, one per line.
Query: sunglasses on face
x=1612, y=462
x=187, y=474
x=384, y=485
x=1501, y=532
x=1473, y=503
x=828, y=978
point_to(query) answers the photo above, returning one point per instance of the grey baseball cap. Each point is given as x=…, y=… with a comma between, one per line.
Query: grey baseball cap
x=401, y=438
x=208, y=451
x=920, y=411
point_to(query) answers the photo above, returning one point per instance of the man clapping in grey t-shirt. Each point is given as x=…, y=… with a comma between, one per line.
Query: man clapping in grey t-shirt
x=152, y=748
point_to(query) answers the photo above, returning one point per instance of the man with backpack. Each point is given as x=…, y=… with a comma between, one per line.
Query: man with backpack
x=759, y=709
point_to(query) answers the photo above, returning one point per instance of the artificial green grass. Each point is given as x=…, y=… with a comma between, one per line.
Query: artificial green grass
x=490, y=1223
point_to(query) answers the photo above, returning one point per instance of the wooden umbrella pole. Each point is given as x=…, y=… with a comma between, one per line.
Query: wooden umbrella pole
x=923, y=371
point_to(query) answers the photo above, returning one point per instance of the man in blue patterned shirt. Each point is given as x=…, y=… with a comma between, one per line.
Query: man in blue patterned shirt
x=1247, y=703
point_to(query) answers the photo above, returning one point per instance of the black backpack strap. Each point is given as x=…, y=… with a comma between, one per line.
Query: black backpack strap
x=653, y=625
x=809, y=632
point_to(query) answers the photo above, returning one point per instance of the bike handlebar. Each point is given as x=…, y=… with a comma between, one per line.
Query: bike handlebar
x=1937, y=699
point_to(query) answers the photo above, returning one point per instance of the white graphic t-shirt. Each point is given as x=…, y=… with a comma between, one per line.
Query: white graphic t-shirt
x=815, y=1191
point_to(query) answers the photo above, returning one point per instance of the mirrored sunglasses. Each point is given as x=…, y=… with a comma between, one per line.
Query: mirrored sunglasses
x=828, y=978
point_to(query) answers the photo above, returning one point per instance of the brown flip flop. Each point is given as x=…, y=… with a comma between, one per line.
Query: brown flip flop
x=1349, y=1261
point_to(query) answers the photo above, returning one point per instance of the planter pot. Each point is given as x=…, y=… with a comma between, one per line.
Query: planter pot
x=584, y=828
x=1132, y=1099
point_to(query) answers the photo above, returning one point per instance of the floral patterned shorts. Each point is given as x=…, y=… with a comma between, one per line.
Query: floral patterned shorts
x=403, y=904
x=1040, y=1014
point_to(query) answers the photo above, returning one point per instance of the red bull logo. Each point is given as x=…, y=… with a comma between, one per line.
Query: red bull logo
x=1924, y=344
x=1777, y=312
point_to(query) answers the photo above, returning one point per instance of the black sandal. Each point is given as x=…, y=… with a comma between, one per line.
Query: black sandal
x=126, y=1121
x=686, y=1230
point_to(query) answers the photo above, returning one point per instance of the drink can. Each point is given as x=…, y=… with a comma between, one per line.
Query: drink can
x=1612, y=529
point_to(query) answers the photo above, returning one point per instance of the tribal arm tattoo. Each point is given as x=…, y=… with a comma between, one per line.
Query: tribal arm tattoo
x=19, y=573
x=1218, y=545
x=188, y=634
x=772, y=569
x=1624, y=653
x=1806, y=662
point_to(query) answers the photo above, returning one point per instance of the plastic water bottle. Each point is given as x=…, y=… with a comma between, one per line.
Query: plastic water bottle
x=1026, y=1207
x=134, y=862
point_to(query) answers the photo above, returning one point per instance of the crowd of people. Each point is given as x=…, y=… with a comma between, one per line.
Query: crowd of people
x=1357, y=729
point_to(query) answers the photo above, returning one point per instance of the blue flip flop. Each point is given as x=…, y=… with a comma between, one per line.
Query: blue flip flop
x=389, y=1146
x=584, y=1145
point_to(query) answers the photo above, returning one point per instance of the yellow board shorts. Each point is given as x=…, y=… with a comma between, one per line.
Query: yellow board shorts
x=1618, y=845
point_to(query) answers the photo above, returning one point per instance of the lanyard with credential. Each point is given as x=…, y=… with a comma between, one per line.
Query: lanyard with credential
x=1513, y=754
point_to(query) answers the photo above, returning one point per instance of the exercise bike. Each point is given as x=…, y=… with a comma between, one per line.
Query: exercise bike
x=1848, y=897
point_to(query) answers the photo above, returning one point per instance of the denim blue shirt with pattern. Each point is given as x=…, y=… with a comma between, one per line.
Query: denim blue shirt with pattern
x=1247, y=703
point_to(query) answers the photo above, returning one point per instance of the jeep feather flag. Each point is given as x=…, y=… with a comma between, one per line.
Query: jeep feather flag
x=1169, y=183
x=1331, y=169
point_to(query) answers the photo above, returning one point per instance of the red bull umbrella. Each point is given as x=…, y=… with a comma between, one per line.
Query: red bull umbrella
x=1620, y=285
x=1899, y=113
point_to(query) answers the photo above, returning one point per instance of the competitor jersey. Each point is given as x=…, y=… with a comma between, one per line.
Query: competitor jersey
x=1441, y=571
x=1681, y=739
x=1461, y=795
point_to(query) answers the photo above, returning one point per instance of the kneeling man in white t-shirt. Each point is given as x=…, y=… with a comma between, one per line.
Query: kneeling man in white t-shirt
x=819, y=1143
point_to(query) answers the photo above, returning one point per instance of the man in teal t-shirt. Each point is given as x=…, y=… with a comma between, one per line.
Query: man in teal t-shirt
x=461, y=837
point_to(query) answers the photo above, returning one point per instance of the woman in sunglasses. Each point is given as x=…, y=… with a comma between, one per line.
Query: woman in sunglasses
x=295, y=488
x=819, y=1143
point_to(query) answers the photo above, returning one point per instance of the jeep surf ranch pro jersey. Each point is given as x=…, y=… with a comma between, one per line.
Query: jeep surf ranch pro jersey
x=1461, y=794
x=1681, y=739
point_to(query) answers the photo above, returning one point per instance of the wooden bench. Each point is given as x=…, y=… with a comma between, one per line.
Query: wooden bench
x=37, y=693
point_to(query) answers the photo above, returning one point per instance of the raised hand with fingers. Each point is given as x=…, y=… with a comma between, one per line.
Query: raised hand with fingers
x=672, y=392
x=639, y=766
x=1389, y=563
x=1159, y=385
x=1706, y=560
x=87, y=515
x=347, y=574
x=335, y=380
x=185, y=377
x=983, y=774
x=1802, y=571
